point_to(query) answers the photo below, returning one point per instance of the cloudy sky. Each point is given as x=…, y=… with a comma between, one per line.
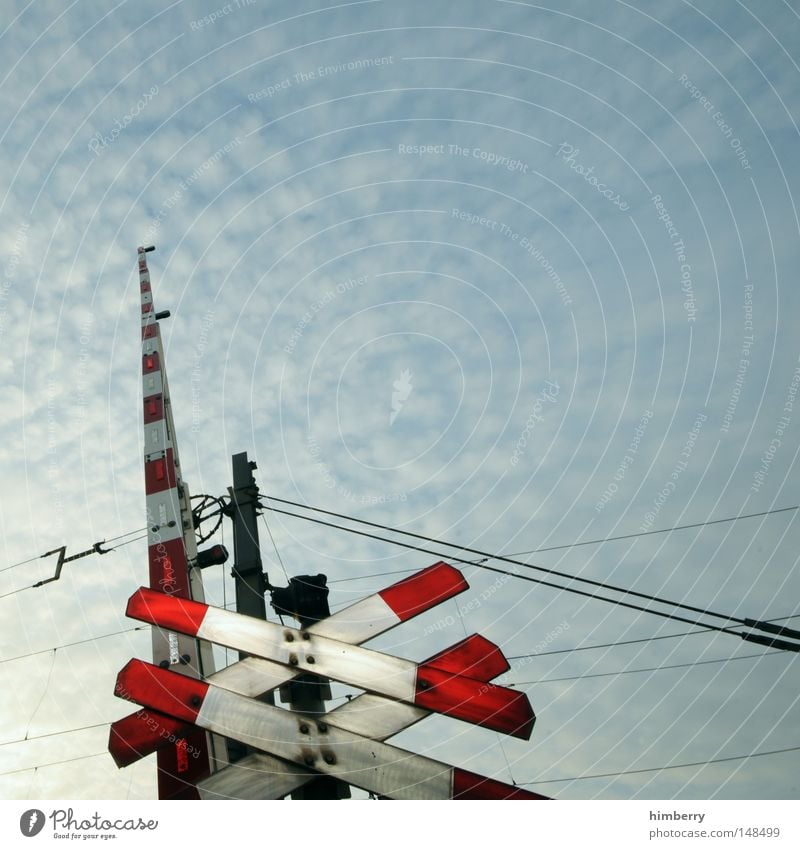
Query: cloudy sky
x=510, y=275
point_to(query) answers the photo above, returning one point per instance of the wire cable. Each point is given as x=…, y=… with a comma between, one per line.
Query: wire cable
x=40, y=556
x=44, y=693
x=95, y=549
x=54, y=734
x=659, y=531
x=539, y=581
x=54, y=763
x=554, y=572
x=629, y=642
x=611, y=645
x=76, y=643
x=21, y=563
x=660, y=768
x=630, y=671
x=277, y=553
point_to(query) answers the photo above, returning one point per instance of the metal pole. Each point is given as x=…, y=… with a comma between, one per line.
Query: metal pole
x=248, y=574
x=306, y=599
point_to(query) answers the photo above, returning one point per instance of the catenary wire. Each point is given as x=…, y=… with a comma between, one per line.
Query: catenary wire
x=54, y=734
x=54, y=763
x=658, y=531
x=41, y=556
x=105, y=551
x=647, y=669
x=76, y=643
x=661, y=768
x=631, y=642
x=503, y=559
x=539, y=581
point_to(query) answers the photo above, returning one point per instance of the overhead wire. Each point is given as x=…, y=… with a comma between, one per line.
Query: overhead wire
x=642, y=669
x=750, y=623
x=541, y=582
x=661, y=768
x=658, y=531
x=96, y=549
x=54, y=734
x=275, y=547
x=49, y=553
x=76, y=643
x=54, y=763
x=631, y=642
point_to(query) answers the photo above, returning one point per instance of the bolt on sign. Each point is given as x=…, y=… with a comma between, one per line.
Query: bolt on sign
x=348, y=742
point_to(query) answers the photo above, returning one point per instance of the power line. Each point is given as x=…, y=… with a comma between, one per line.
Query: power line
x=21, y=563
x=97, y=548
x=76, y=643
x=659, y=531
x=750, y=623
x=102, y=542
x=375, y=575
x=44, y=692
x=661, y=768
x=611, y=645
x=54, y=763
x=274, y=545
x=629, y=642
x=647, y=669
x=757, y=638
x=54, y=734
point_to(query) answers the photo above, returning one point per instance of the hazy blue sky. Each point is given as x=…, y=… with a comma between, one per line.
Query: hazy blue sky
x=512, y=274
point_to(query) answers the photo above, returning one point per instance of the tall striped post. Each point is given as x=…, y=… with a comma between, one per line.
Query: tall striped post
x=171, y=548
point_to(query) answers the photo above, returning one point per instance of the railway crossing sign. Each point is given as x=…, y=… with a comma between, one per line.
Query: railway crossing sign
x=349, y=742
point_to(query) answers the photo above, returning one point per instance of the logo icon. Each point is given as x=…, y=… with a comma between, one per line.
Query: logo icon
x=402, y=389
x=31, y=822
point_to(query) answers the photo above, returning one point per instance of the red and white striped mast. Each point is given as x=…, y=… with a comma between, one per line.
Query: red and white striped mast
x=172, y=547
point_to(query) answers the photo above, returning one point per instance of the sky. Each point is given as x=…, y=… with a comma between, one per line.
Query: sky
x=513, y=276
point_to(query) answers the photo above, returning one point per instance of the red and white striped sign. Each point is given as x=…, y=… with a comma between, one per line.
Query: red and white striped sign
x=357, y=623
x=171, y=545
x=305, y=741
x=497, y=708
x=144, y=732
x=368, y=715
